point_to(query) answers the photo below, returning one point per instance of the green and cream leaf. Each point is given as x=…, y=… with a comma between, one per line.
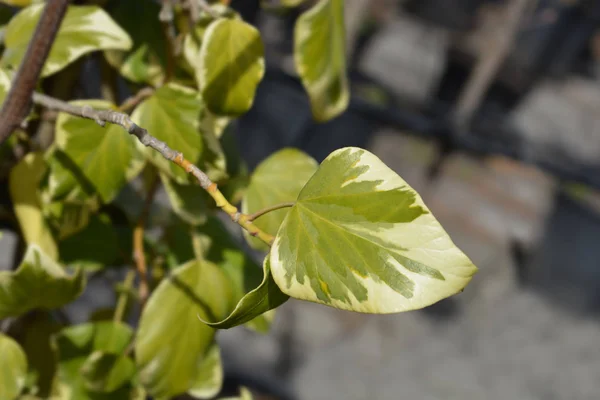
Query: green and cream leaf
x=360, y=238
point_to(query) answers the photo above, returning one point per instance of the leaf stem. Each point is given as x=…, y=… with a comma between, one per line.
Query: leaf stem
x=260, y=213
x=122, y=301
x=133, y=101
x=139, y=256
x=101, y=117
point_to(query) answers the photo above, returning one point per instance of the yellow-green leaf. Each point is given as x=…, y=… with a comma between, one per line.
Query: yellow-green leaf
x=360, y=238
x=107, y=157
x=245, y=394
x=13, y=368
x=231, y=64
x=38, y=283
x=172, y=114
x=319, y=54
x=209, y=381
x=83, y=30
x=24, y=181
x=171, y=343
x=106, y=372
x=5, y=82
x=278, y=179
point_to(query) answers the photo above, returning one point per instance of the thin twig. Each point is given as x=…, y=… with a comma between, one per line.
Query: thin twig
x=133, y=101
x=101, y=117
x=252, y=217
x=18, y=100
x=166, y=17
x=139, y=256
x=124, y=296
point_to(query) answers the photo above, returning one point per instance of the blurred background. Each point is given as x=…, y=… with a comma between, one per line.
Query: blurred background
x=491, y=110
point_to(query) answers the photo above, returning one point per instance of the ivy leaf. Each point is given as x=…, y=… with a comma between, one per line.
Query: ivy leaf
x=13, y=368
x=108, y=157
x=93, y=248
x=209, y=381
x=278, y=179
x=76, y=347
x=38, y=283
x=230, y=67
x=189, y=202
x=171, y=114
x=254, y=293
x=360, y=238
x=24, y=181
x=171, y=343
x=319, y=54
x=107, y=372
x=252, y=307
x=147, y=59
x=83, y=30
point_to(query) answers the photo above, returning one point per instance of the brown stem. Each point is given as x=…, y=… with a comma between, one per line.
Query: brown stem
x=139, y=255
x=166, y=17
x=252, y=217
x=18, y=101
x=133, y=101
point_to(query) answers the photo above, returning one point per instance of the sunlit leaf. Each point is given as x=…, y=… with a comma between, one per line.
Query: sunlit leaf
x=230, y=67
x=77, y=347
x=171, y=114
x=38, y=283
x=276, y=180
x=108, y=157
x=83, y=30
x=13, y=368
x=24, y=181
x=172, y=343
x=252, y=307
x=319, y=54
x=360, y=238
x=210, y=375
x=17, y=3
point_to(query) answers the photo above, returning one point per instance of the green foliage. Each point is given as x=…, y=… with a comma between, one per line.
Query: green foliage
x=38, y=283
x=84, y=29
x=348, y=233
x=13, y=369
x=271, y=183
x=319, y=52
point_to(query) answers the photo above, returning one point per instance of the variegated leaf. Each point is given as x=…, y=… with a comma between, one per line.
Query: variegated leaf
x=360, y=238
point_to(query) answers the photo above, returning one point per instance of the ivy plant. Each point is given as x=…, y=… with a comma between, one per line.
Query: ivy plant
x=82, y=171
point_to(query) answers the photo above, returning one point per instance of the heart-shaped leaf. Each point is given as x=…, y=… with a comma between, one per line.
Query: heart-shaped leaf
x=278, y=179
x=38, y=283
x=24, y=181
x=83, y=30
x=319, y=54
x=108, y=157
x=172, y=343
x=360, y=238
x=231, y=64
x=171, y=114
x=13, y=368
